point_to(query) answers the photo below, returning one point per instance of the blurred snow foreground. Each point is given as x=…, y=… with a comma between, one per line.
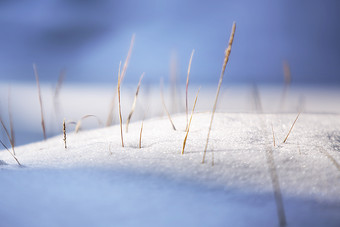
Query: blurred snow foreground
x=245, y=180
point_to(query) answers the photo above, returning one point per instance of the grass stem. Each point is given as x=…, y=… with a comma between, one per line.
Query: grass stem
x=186, y=87
x=10, y=153
x=188, y=128
x=226, y=58
x=40, y=101
x=64, y=132
x=134, y=103
x=119, y=106
x=291, y=127
x=166, y=110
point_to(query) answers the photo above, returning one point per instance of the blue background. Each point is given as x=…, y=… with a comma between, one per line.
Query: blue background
x=89, y=38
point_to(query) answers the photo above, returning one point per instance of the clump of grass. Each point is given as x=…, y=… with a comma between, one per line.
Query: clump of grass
x=188, y=128
x=291, y=127
x=79, y=123
x=164, y=106
x=40, y=101
x=186, y=87
x=10, y=152
x=134, y=103
x=226, y=58
x=64, y=132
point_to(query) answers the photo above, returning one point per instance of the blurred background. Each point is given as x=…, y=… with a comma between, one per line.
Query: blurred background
x=89, y=38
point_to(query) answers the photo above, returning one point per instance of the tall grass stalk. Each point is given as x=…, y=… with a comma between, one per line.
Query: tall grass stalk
x=119, y=106
x=292, y=127
x=134, y=103
x=40, y=101
x=186, y=87
x=188, y=128
x=226, y=58
x=121, y=76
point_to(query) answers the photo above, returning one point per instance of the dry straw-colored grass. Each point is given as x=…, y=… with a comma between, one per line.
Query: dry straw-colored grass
x=134, y=103
x=164, y=106
x=120, y=107
x=40, y=101
x=121, y=76
x=186, y=87
x=64, y=132
x=291, y=128
x=140, y=135
x=8, y=135
x=188, y=127
x=273, y=135
x=80, y=121
x=226, y=58
x=10, y=152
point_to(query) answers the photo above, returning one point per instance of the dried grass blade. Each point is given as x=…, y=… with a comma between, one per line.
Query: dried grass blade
x=292, y=127
x=40, y=101
x=164, y=106
x=186, y=87
x=188, y=128
x=226, y=58
x=134, y=102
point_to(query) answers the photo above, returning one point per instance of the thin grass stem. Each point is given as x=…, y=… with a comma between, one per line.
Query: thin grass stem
x=226, y=58
x=164, y=106
x=134, y=103
x=40, y=101
x=10, y=153
x=188, y=128
x=186, y=87
x=292, y=127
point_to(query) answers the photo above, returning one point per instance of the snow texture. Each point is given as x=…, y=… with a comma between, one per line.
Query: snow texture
x=97, y=182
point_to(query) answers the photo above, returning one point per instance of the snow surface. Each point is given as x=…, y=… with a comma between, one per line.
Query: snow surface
x=97, y=182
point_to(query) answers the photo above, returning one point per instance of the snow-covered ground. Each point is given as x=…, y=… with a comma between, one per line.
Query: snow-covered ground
x=97, y=182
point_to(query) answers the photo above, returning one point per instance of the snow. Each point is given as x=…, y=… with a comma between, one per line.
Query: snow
x=239, y=143
x=95, y=181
